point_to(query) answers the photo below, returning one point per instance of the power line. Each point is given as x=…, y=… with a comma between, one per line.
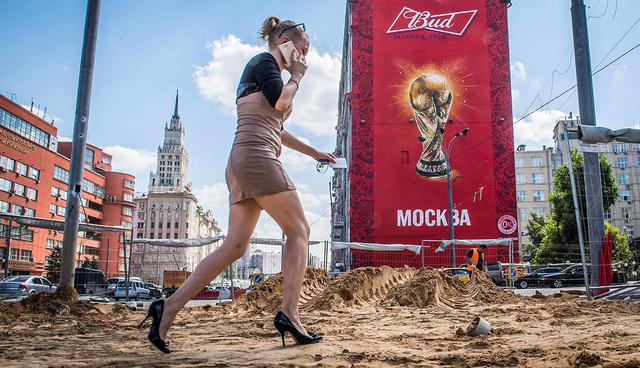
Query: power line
x=553, y=99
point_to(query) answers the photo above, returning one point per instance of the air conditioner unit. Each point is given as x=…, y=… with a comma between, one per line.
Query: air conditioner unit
x=2, y=169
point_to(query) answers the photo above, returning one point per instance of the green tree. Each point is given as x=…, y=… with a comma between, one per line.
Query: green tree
x=621, y=252
x=91, y=263
x=54, y=263
x=554, y=237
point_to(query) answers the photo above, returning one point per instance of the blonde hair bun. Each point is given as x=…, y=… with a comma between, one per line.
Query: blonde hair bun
x=267, y=27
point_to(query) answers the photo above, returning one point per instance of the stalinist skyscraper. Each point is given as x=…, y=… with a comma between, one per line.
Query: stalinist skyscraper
x=170, y=210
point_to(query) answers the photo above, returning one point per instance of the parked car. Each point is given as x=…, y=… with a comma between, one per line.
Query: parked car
x=570, y=276
x=533, y=279
x=458, y=272
x=495, y=271
x=16, y=286
x=137, y=290
x=155, y=291
x=113, y=282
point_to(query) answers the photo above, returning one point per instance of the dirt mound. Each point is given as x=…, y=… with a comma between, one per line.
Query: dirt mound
x=430, y=287
x=360, y=286
x=267, y=296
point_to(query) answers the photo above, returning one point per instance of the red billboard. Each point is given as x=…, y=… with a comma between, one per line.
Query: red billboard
x=423, y=71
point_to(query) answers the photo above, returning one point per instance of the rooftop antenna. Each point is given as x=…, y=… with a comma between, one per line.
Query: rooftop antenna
x=44, y=115
x=31, y=108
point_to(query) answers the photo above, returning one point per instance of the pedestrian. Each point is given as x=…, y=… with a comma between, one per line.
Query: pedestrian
x=257, y=181
x=475, y=258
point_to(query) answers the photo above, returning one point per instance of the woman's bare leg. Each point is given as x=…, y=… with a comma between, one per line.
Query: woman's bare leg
x=242, y=221
x=286, y=210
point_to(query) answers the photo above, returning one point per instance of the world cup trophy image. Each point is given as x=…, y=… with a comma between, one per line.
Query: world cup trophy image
x=430, y=99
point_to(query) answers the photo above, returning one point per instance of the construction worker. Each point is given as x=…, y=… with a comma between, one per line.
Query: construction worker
x=475, y=258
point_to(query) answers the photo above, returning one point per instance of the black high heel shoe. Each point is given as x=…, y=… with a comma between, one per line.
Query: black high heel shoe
x=284, y=324
x=155, y=312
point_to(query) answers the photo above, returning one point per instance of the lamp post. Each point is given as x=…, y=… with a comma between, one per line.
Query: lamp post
x=447, y=155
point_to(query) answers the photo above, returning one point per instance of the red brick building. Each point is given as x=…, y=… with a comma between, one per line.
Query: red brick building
x=34, y=173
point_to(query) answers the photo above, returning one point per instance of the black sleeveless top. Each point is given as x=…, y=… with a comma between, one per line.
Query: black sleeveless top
x=261, y=74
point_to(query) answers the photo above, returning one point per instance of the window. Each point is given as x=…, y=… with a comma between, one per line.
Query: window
x=52, y=208
x=61, y=211
x=93, y=188
x=16, y=210
x=523, y=215
x=21, y=168
x=7, y=163
x=159, y=235
x=88, y=156
x=626, y=212
x=5, y=185
x=127, y=224
x=84, y=202
x=25, y=255
x=18, y=189
x=168, y=236
x=175, y=235
x=618, y=147
x=51, y=243
x=128, y=197
x=14, y=254
x=520, y=179
x=522, y=196
x=539, y=210
x=622, y=162
x=29, y=212
x=4, y=206
x=537, y=178
x=176, y=225
x=186, y=225
x=61, y=174
x=626, y=195
x=55, y=191
x=127, y=211
x=168, y=225
x=536, y=162
x=623, y=178
x=607, y=215
x=129, y=184
x=32, y=194
x=538, y=195
x=21, y=127
x=34, y=173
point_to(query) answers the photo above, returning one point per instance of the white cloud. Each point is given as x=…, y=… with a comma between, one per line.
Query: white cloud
x=213, y=197
x=621, y=74
x=62, y=138
x=135, y=161
x=316, y=105
x=515, y=96
x=537, y=129
x=294, y=160
x=518, y=71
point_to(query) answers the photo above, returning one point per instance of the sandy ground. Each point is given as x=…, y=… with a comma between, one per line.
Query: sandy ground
x=369, y=318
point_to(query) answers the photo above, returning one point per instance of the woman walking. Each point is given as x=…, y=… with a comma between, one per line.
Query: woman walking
x=256, y=181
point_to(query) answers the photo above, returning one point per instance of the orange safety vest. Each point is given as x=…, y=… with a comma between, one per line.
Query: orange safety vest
x=474, y=259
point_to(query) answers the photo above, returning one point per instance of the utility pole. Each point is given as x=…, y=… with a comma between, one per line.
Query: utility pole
x=81, y=123
x=592, y=179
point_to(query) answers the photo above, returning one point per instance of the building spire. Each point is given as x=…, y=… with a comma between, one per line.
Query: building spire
x=175, y=110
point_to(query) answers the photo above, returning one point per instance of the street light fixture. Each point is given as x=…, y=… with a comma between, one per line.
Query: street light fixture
x=447, y=155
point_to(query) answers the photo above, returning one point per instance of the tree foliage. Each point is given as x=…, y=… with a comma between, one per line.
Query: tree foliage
x=554, y=237
x=621, y=252
x=91, y=264
x=54, y=264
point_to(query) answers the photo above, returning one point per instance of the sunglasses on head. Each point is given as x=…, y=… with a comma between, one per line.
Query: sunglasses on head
x=292, y=27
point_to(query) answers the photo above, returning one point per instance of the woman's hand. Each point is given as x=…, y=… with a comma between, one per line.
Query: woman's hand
x=298, y=67
x=325, y=156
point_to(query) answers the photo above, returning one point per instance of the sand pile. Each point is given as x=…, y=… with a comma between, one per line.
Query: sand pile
x=430, y=287
x=360, y=286
x=45, y=303
x=267, y=296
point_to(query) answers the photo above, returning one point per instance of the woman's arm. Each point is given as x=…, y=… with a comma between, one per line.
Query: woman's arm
x=297, y=70
x=296, y=144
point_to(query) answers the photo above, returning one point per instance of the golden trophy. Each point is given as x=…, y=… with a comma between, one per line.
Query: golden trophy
x=430, y=98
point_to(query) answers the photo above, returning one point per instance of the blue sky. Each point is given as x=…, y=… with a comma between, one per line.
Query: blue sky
x=148, y=49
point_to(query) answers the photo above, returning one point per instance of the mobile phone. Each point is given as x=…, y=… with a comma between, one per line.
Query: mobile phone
x=286, y=49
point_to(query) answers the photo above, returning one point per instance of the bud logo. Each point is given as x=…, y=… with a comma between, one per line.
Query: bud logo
x=452, y=23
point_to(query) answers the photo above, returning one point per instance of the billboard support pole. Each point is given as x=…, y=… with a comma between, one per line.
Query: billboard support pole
x=452, y=249
x=76, y=172
x=592, y=180
x=576, y=209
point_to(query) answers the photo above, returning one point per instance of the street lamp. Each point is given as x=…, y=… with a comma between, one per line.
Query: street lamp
x=447, y=155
